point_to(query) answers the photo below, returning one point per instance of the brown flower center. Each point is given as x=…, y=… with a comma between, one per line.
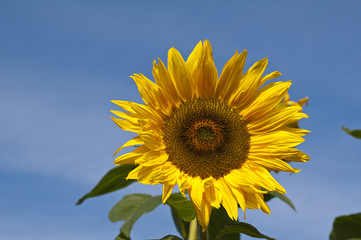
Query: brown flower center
x=206, y=137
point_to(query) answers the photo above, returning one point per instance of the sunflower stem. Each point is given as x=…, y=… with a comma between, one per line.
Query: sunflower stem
x=204, y=235
x=193, y=230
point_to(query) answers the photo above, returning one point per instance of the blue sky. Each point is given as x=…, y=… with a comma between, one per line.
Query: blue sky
x=61, y=62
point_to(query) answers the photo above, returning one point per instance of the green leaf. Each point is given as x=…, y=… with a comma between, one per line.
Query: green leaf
x=218, y=221
x=126, y=207
x=169, y=237
x=346, y=227
x=121, y=236
x=355, y=133
x=181, y=225
x=244, y=228
x=182, y=213
x=131, y=208
x=183, y=207
x=112, y=181
x=272, y=194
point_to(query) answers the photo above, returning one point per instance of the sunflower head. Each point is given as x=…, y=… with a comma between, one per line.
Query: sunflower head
x=216, y=137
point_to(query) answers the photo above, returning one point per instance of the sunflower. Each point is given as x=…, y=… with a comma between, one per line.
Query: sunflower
x=217, y=138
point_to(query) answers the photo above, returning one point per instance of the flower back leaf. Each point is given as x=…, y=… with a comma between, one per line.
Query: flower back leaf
x=112, y=181
x=283, y=197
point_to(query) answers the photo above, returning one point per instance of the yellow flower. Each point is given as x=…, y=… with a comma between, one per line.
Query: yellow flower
x=215, y=137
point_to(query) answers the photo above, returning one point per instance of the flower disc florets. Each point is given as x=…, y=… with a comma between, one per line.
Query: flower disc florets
x=205, y=137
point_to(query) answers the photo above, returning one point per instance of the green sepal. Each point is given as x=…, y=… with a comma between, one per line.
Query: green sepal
x=114, y=180
x=283, y=197
x=267, y=197
x=131, y=208
x=218, y=221
x=346, y=227
x=355, y=133
x=244, y=228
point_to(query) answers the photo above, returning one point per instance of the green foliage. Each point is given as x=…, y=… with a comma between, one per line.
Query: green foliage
x=121, y=236
x=347, y=228
x=182, y=213
x=112, y=181
x=355, y=133
x=267, y=197
x=182, y=206
x=131, y=208
x=169, y=237
x=181, y=225
x=244, y=228
x=284, y=198
x=219, y=220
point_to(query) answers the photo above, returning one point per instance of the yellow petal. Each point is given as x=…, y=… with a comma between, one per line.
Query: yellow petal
x=180, y=75
x=146, y=112
x=264, y=179
x=152, y=94
x=298, y=156
x=195, y=58
x=203, y=215
x=213, y=196
x=285, y=153
x=130, y=117
x=275, y=139
x=236, y=180
x=126, y=105
x=273, y=164
x=265, y=100
x=250, y=82
x=203, y=69
x=164, y=80
x=167, y=191
x=184, y=182
x=230, y=78
x=126, y=125
x=251, y=200
x=275, y=119
x=269, y=76
x=135, y=141
x=240, y=178
x=238, y=193
x=196, y=192
x=264, y=207
x=132, y=156
x=297, y=131
x=297, y=117
x=146, y=175
x=153, y=158
x=171, y=173
x=229, y=201
x=152, y=140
